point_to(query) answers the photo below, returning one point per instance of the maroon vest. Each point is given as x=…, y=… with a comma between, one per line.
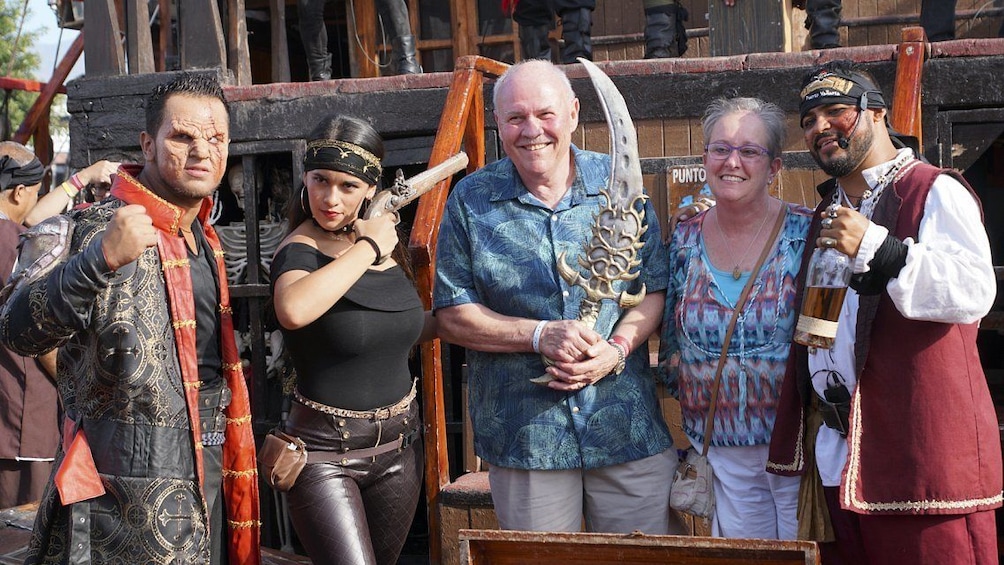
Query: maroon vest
x=924, y=437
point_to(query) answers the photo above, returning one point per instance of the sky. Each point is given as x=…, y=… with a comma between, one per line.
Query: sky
x=42, y=18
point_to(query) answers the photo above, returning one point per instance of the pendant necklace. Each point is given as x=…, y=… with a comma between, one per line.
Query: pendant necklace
x=736, y=273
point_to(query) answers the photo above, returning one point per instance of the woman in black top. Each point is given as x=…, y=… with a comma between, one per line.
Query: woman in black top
x=350, y=316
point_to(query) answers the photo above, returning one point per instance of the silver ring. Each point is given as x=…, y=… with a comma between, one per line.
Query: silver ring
x=827, y=223
x=829, y=242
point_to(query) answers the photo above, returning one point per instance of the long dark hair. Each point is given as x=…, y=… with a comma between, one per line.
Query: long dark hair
x=357, y=132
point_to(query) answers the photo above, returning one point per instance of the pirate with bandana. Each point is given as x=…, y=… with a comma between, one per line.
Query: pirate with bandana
x=909, y=470
x=350, y=316
x=29, y=421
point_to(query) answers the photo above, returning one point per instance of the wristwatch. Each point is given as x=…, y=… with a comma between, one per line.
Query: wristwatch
x=621, y=358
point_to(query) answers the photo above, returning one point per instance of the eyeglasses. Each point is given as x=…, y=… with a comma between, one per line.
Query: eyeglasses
x=720, y=151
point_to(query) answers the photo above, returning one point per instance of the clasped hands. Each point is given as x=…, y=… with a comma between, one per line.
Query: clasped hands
x=580, y=356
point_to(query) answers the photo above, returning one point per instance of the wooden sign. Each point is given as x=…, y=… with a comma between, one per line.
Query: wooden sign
x=685, y=184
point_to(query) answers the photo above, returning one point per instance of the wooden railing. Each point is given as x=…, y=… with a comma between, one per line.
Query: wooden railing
x=35, y=126
x=461, y=125
x=905, y=115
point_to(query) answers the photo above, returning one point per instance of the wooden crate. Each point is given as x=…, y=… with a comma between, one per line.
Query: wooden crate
x=524, y=548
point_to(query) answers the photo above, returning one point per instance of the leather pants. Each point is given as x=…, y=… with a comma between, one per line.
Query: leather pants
x=823, y=20
x=358, y=512
x=314, y=36
x=937, y=17
x=576, y=16
x=665, y=35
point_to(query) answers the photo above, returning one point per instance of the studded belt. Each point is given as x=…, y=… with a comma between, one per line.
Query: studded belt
x=383, y=413
x=213, y=420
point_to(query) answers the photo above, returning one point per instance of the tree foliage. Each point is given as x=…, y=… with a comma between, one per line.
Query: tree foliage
x=17, y=60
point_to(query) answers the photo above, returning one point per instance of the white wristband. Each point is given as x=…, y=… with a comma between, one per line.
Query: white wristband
x=536, y=335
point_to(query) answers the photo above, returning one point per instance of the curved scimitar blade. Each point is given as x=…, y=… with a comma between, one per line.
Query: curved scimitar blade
x=625, y=174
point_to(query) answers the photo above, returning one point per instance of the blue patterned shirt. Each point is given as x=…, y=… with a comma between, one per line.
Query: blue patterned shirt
x=693, y=328
x=498, y=247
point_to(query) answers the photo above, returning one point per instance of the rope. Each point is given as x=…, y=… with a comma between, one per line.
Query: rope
x=355, y=34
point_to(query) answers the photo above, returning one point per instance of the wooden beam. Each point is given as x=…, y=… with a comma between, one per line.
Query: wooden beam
x=43, y=145
x=280, y=50
x=238, y=57
x=164, y=35
x=104, y=55
x=363, y=23
x=462, y=14
x=200, y=35
x=40, y=109
x=11, y=83
x=905, y=116
x=139, y=45
x=464, y=103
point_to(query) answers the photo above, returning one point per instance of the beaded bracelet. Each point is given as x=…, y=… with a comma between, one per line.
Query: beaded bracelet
x=622, y=341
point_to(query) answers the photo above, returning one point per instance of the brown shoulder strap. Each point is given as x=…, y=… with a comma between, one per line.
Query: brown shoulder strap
x=709, y=424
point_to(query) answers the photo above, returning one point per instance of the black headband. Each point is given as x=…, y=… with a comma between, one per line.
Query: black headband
x=836, y=87
x=13, y=174
x=335, y=155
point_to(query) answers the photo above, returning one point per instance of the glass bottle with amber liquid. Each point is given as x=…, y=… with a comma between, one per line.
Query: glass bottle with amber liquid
x=825, y=287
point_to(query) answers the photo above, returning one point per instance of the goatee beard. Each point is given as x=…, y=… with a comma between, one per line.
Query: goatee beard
x=837, y=168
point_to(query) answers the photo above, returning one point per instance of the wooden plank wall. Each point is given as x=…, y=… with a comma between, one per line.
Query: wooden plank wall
x=626, y=17
x=666, y=99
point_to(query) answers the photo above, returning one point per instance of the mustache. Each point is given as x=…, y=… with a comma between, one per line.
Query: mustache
x=819, y=138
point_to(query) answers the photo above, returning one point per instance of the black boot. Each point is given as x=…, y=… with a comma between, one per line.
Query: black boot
x=315, y=38
x=665, y=34
x=320, y=67
x=822, y=20
x=576, y=30
x=395, y=15
x=403, y=55
x=533, y=42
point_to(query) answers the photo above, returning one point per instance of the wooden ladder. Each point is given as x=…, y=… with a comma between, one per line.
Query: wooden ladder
x=461, y=125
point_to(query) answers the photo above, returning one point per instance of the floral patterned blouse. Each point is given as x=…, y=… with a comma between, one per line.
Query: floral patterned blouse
x=696, y=317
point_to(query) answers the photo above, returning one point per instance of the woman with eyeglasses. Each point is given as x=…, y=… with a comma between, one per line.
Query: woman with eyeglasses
x=712, y=256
